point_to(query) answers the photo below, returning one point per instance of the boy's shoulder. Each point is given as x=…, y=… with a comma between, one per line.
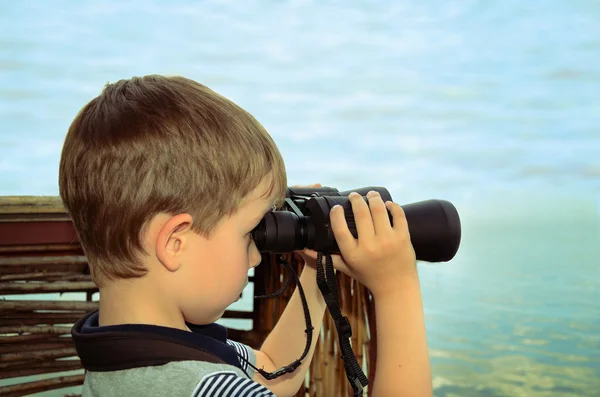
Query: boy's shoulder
x=151, y=360
x=181, y=378
x=228, y=383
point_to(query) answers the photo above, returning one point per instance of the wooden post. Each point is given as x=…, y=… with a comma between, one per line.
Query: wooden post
x=40, y=253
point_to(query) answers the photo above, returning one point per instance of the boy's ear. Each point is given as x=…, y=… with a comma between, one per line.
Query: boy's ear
x=172, y=239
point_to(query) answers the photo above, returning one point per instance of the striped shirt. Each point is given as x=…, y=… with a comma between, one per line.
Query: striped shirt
x=230, y=378
x=228, y=384
x=180, y=379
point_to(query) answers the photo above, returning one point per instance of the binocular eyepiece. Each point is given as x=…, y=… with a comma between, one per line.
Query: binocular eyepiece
x=434, y=225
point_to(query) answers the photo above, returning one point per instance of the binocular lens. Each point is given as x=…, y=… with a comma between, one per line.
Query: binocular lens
x=434, y=227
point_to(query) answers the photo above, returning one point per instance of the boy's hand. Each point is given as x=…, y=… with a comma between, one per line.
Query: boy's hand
x=310, y=259
x=383, y=255
x=310, y=256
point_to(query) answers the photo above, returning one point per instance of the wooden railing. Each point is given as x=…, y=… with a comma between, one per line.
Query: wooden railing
x=41, y=259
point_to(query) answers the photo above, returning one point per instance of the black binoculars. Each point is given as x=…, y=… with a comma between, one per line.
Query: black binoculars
x=434, y=225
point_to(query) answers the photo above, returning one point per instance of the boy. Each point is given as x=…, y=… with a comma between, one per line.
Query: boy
x=165, y=181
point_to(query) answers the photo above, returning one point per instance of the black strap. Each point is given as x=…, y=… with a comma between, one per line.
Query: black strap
x=328, y=287
x=309, y=327
x=125, y=350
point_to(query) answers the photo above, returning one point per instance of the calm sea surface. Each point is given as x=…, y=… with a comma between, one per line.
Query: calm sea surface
x=494, y=106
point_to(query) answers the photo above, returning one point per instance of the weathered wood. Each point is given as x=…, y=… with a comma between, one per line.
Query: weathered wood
x=41, y=385
x=38, y=355
x=31, y=205
x=45, y=248
x=45, y=276
x=32, y=362
x=30, y=339
x=49, y=345
x=28, y=218
x=237, y=314
x=42, y=368
x=67, y=268
x=39, y=253
x=73, y=264
x=47, y=305
x=47, y=261
x=11, y=318
x=249, y=338
x=13, y=322
x=36, y=231
x=48, y=363
x=56, y=330
x=37, y=287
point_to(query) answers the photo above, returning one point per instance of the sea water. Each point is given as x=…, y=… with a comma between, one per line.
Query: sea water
x=494, y=106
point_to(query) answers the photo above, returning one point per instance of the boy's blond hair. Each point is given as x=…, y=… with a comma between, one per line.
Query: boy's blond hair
x=152, y=145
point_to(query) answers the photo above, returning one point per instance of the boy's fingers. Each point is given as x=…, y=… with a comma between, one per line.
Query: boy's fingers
x=338, y=261
x=345, y=240
x=343, y=267
x=309, y=253
x=398, y=216
x=379, y=213
x=362, y=217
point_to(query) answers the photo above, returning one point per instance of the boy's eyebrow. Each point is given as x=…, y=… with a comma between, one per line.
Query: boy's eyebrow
x=257, y=219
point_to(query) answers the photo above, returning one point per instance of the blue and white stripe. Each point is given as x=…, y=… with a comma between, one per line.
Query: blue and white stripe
x=228, y=384
x=242, y=351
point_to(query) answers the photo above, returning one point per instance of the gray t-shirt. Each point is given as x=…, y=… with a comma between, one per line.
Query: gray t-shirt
x=180, y=378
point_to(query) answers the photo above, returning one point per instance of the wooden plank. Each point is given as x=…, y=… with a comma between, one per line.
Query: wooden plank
x=31, y=205
x=78, y=269
x=48, y=305
x=41, y=263
x=42, y=260
x=45, y=276
x=31, y=339
x=37, y=232
x=42, y=368
x=38, y=355
x=41, y=385
x=237, y=314
x=36, y=330
x=44, y=288
x=68, y=249
x=34, y=320
x=22, y=347
x=49, y=363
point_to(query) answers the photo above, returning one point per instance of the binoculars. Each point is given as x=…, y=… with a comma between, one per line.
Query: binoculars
x=303, y=222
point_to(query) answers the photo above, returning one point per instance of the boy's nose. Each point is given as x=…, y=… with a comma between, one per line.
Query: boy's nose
x=256, y=262
x=255, y=258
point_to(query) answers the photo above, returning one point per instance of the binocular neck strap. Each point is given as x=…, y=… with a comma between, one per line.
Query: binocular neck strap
x=309, y=328
x=326, y=282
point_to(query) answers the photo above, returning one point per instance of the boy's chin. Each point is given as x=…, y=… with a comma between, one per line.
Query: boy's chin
x=242, y=292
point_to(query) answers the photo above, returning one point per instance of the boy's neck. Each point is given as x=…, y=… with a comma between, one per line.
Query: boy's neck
x=137, y=302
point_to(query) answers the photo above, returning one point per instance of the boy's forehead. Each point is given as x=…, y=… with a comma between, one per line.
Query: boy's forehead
x=256, y=210
x=263, y=203
x=263, y=198
x=265, y=193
